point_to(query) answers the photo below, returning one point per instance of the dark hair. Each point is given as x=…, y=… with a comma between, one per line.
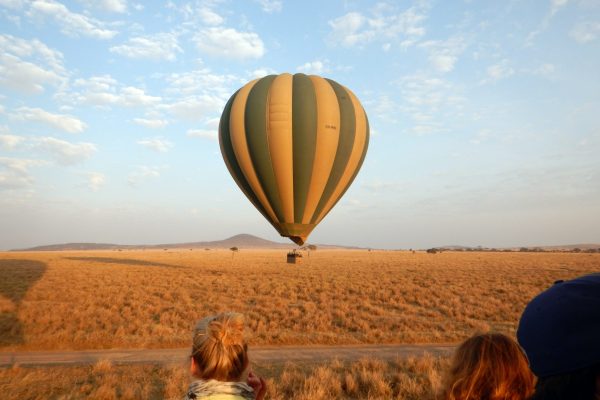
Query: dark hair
x=576, y=385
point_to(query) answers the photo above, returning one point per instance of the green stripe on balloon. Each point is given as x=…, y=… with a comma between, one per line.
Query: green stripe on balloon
x=360, y=163
x=345, y=144
x=231, y=161
x=255, y=121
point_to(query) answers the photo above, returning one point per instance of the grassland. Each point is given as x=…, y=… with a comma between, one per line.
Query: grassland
x=411, y=379
x=142, y=299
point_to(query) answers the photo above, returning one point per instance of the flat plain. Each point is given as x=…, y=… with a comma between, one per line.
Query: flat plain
x=151, y=298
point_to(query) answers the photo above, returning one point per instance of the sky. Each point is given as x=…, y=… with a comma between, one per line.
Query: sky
x=484, y=115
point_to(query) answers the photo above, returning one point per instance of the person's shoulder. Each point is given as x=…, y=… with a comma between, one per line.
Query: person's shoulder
x=215, y=396
x=223, y=397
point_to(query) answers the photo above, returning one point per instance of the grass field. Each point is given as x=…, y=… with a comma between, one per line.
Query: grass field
x=411, y=379
x=133, y=299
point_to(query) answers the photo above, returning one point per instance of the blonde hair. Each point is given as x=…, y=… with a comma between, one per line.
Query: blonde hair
x=489, y=366
x=219, y=350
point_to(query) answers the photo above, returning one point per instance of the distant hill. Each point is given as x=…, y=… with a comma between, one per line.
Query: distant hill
x=565, y=247
x=242, y=241
x=456, y=247
x=246, y=241
x=74, y=246
x=582, y=246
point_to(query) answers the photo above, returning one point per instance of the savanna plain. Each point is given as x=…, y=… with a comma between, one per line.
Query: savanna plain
x=151, y=299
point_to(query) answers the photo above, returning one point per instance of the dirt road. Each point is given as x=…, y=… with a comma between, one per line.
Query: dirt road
x=266, y=354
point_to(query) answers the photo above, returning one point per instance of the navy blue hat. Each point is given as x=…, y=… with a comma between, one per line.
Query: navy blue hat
x=560, y=328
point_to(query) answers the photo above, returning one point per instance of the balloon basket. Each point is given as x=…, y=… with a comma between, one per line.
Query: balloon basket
x=293, y=257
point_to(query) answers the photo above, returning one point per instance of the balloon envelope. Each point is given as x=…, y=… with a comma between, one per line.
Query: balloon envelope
x=294, y=144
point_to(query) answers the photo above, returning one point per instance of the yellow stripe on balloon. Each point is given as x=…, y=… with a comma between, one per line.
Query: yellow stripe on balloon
x=360, y=141
x=328, y=134
x=279, y=134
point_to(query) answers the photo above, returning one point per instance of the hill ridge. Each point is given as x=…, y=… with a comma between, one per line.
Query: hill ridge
x=242, y=241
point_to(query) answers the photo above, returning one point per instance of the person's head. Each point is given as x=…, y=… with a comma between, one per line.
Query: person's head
x=219, y=351
x=560, y=333
x=488, y=366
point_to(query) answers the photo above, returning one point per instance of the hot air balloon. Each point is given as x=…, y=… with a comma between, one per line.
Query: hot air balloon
x=294, y=144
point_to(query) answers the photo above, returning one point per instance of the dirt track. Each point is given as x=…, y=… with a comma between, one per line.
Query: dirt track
x=266, y=354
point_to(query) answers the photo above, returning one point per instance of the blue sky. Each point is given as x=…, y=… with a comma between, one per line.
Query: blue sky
x=485, y=118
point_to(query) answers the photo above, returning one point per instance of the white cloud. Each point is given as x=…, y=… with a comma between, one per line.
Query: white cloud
x=132, y=97
x=143, y=173
x=347, y=29
x=10, y=142
x=482, y=136
x=213, y=123
x=443, y=62
x=29, y=66
x=157, y=144
x=203, y=133
x=420, y=90
x=356, y=29
x=499, y=71
x=115, y=6
x=443, y=55
x=209, y=17
x=12, y=4
x=103, y=83
x=545, y=70
x=270, y=6
x=202, y=81
x=557, y=5
x=14, y=172
x=151, y=123
x=157, y=47
x=64, y=153
x=193, y=95
x=95, y=180
x=408, y=23
x=317, y=67
x=106, y=91
x=384, y=108
x=195, y=108
x=584, y=32
x=70, y=23
x=34, y=49
x=97, y=90
x=229, y=43
x=24, y=76
x=262, y=72
x=427, y=101
x=67, y=123
x=118, y=6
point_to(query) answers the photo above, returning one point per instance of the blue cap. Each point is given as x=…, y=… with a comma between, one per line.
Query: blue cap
x=560, y=328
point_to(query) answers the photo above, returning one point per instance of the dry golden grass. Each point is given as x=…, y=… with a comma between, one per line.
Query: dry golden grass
x=108, y=299
x=412, y=379
x=102, y=381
